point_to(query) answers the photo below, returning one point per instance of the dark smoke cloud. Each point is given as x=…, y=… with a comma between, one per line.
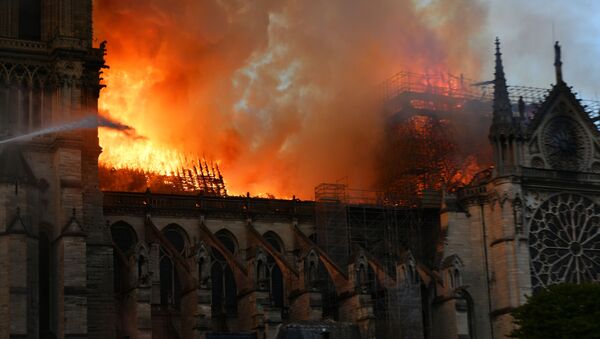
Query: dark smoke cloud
x=281, y=92
x=113, y=124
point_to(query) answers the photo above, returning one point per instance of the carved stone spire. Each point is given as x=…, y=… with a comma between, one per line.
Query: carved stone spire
x=557, y=63
x=502, y=107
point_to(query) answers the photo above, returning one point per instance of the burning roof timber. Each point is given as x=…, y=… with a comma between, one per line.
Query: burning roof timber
x=437, y=129
x=199, y=178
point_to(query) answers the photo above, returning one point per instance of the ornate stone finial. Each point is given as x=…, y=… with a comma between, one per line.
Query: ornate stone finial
x=557, y=63
x=502, y=107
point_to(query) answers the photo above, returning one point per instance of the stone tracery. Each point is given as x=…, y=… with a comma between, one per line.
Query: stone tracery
x=562, y=246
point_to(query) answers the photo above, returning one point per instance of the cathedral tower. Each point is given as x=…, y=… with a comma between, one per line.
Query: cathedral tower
x=507, y=130
x=531, y=221
x=55, y=253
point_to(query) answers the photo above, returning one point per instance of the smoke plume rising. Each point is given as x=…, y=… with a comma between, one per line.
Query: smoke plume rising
x=280, y=92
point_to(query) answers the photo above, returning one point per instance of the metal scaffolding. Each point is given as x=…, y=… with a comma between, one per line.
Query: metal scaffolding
x=330, y=217
x=461, y=88
x=346, y=217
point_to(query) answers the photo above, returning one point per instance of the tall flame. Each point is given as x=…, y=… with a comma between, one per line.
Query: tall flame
x=278, y=91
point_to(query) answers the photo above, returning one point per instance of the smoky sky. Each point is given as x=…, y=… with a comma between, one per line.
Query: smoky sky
x=283, y=92
x=528, y=30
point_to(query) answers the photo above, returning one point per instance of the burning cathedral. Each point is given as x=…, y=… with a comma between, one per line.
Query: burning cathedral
x=76, y=262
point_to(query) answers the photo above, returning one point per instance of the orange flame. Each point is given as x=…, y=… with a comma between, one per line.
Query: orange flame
x=275, y=91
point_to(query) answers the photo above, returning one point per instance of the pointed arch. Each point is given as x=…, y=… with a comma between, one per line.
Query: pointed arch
x=223, y=282
x=275, y=241
x=170, y=279
x=453, y=266
x=275, y=275
x=465, y=296
x=124, y=237
x=318, y=278
x=125, y=248
x=408, y=272
x=177, y=236
x=228, y=240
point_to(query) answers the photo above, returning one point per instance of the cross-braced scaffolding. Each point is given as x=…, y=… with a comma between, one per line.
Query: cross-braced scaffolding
x=347, y=218
x=461, y=88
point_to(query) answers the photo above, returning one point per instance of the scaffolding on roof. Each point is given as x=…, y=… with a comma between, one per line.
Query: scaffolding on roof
x=459, y=87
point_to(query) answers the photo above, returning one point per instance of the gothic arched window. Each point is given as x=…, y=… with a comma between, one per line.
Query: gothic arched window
x=228, y=240
x=274, y=240
x=276, y=288
x=464, y=309
x=224, y=289
x=170, y=285
x=123, y=238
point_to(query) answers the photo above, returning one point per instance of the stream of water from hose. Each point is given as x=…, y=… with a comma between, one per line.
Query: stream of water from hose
x=93, y=121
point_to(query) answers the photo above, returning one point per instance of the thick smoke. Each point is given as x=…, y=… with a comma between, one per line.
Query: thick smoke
x=282, y=93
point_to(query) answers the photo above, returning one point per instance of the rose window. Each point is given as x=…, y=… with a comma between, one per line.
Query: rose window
x=564, y=241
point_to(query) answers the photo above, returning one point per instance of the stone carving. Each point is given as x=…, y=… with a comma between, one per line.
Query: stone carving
x=361, y=273
x=69, y=68
x=453, y=266
x=564, y=241
x=408, y=270
x=532, y=201
x=518, y=213
x=260, y=265
x=203, y=260
x=142, y=254
x=311, y=264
